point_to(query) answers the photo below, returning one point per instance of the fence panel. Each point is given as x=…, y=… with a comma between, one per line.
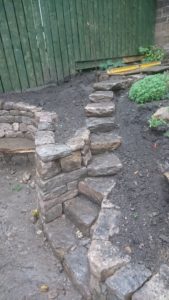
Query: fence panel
x=46, y=41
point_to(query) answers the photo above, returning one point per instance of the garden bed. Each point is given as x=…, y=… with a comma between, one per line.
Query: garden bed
x=142, y=192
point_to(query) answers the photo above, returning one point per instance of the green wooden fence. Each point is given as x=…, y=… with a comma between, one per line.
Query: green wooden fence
x=44, y=41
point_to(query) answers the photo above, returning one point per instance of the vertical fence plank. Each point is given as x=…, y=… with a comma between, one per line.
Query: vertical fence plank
x=15, y=37
x=56, y=40
x=81, y=30
x=24, y=42
x=62, y=36
x=49, y=40
x=68, y=30
x=4, y=71
x=7, y=54
x=74, y=26
x=34, y=50
x=37, y=16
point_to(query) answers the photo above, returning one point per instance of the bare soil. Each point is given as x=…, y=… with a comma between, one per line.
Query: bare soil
x=142, y=192
x=26, y=260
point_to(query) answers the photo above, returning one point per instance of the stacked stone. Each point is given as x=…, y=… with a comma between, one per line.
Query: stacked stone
x=59, y=168
x=18, y=120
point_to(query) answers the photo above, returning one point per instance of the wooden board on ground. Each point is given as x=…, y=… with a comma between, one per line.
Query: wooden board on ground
x=16, y=145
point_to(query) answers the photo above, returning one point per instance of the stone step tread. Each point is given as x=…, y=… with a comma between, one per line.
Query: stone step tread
x=96, y=188
x=104, y=96
x=72, y=251
x=113, y=84
x=77, y=267
x=104, y=164
x=105, y=142
x=105, y=124
x=82, y=212
x=17, y=145
x=102, y=109
x=61, y=234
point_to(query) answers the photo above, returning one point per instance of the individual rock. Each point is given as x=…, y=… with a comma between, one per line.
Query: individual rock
x=157, y=288
x=86, y=158
x=103, y=96
x=15, y=126
x=61, y=236
x=104, y=142
x=71, y=162
x=49, y=169
x=77, y=268
x=126, y=281
x=166, y=175
x=43, y=138
x=52, y=197
x=101, y=124
x=105, y=259
x=61, y=179
x=104, y=165
x=52, y=213
x=113, y=84
x=107, y=224
x=101, y=109
x=162, y=113
x=82, y=213
x=79, y=140
x=23, y=127
x=52, y=151
x=26, y=177
x=96, y=188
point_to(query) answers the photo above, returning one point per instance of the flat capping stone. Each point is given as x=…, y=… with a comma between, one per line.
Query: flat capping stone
x=52, y=151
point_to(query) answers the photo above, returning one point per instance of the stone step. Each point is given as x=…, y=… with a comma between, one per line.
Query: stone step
x=96, y=188
x=101, y=124
x=103, y=96
x=104, y=164
x=104, y=142
x=61, y=234
x=114, y=84
x=77, y=268
x=101, y=109
x=82, y=212
x=72, y=251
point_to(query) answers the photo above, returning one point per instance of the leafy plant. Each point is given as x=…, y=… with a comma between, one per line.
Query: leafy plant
x=152, y=53
x=110, y=64
x=151, y=88
x=154, y=122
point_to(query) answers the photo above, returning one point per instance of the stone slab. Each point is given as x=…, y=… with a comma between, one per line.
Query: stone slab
x=82, y=213
x=155, y=69
x=104, y=142
x=101, y=124
x=96, y=188
x=126, y=281
x=77, y=268
x=104, y=165
x=80, y=139
x=162, y=113
x=113, y=84
x=71, y=162
x=52, y=213
x=48, y=169
x=14, y=145
x=61, y=235
x=43, y=138
x=103, y=96
x=105, y=259
x=157, y=288
x=52, y=151
x=107, y=224
x=101, y=109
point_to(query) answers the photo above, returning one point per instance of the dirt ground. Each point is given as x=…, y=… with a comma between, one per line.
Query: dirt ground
x=142, y=192
x=26, y=260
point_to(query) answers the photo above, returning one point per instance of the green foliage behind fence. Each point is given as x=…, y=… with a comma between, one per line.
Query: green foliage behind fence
x=47, y=40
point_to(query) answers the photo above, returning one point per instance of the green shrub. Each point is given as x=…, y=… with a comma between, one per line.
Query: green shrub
x=152, y=53
x=151, y=88
x=154, y=122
